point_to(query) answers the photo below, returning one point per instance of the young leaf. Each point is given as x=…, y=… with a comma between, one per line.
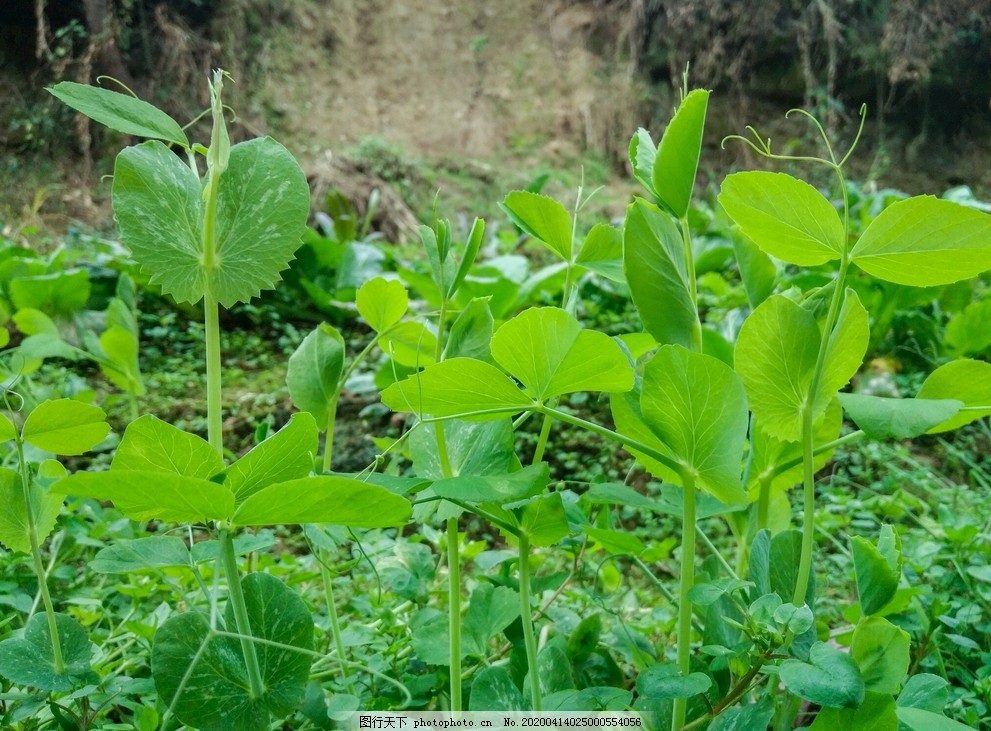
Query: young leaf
x=152, y=445
x=334, y=500
x=656, y=270
x=964, y=380
x=471, y=333
x=543, y=218
x=697, y=406
x=925, y=242
x=757, y=270
x=678, y=154
x=286, y=455
x=120, y=348
x=786, y=217
x=549, y=352
x=455, y=387
x=643, y=153
x=152, y=495
x=878, y=569
x=382, y=303
x=472, y=246
x=602, y=252
x=544, y=520
x=30, y=661
x=121, y=112
x=202, y=676
x=14, y=525
x=7, y=429
x=314, y=371
x=893, y=418
x=65, y=426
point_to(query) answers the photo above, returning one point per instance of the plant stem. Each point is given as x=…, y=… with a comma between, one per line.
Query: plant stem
x=684, y=603
x=545, y=431
x=215, y=425
x=764, y=501
x=328, y=444
x=454, y=612
x=335, y=626
x=686, y=237
x=256, y=687
x=39, y=565
x=526, y=616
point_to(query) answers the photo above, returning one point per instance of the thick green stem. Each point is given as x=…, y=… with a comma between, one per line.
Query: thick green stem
x=454, y=612
x=526, y=615
x=328, y=444
x=256, y=688
x=215, y=424
x=684, y=602
x=39, y=565
x=335, y=626
x=545, y=431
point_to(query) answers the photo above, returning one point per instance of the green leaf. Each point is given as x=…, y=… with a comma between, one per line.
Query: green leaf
x=120, y=348
x=917, y=719
x=492, y=609
x=35, y=322
x=65, y=426
x=926, y=691
x=967, y=332
x=965, y=380
x=831, y=678
x=493, y=690
x=121, y=112
x=59, y=294
x=894, y=418
x=455, y=387
x=656, y=270
x=314, y=371
x=615, y=541
x=629, y=420
x=472, y=246
x=697, y=406
x=775, y=356
x=544, y=520
x=643, y=153
x=334, y=500
x=876, y=713
x=471, y=333
x=616, y=493
x=598, y=698
x=286, y=455
x=845, y=350
x=495, y=488
x=550, y=353
x=7, y=429
x=410, y=344
x=543, y=218
x=152, y=445
x=262, y=205
x=878, y=569
x=203, y=676
x=757, y=271
x=141, y=554
x=473, y=448
x=786, y=217
x=774, y=564
x=30, y=660
x=15, y=531
x=142, y=495
x=925, y=242
x=382, y=303
x=553, y=669
x=602, y=252
x=665, y=682
x=882, y=651
x=678, y=154
x=745, y=718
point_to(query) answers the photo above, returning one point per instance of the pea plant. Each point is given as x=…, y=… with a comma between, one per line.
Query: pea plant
x=727, y=422
x=737, y=426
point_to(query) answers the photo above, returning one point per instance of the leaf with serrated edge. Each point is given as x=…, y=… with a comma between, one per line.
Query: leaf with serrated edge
x=786, y=217
x=152, y=445
x=925, y=242
x=65, y=426
x=455, y=387
x=153, y=495
x=286, y=455
x=334, y=500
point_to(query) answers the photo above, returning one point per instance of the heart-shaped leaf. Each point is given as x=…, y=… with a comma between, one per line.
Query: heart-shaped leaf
x=30, y=660
x=382, y=303
x=203, y=676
